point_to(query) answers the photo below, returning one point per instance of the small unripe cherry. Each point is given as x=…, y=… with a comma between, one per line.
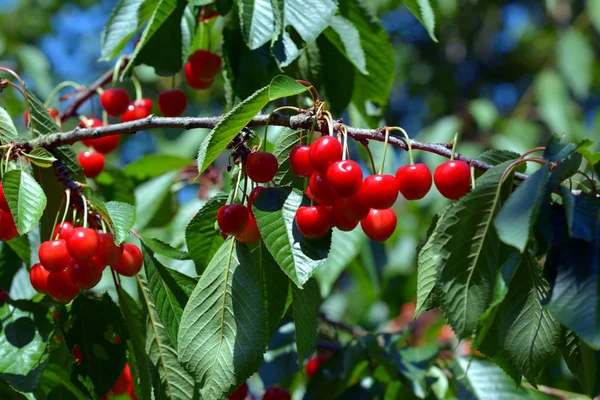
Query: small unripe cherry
x=453, y=179
x=345, y=177
x=172, y=103
x=8, y=229
x=60, y=287
x=38, y=276
x=321, y=191
x=380, y=191
x=86, y=274
x=92, y=163
x=233, y=219
x=414, y=181
x=114, y=101
x=82, y=244
x=251, y=234
x=261, y=166
x=313, y=221
x=300, y=161
x=108, y=252
x=54, y=256
x=325, y=151
x=131, y=261
x=379, y=225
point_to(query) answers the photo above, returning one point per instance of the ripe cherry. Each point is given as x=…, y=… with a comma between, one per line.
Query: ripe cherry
x=414, y=181
x=193, y=81
x=233, y=219
x=261, y=166
x=145, y=103
x=276, y=393
x=324, y=152
x=131, y=261
x=172, y=103
x=60, y=287
x=54, y=256
x=379, y=225
x=63, y=231
x=254, y=195
x=108, y=252
x=251, y=234
x=114, y=101
x=453, y=179
x=205, y=65
x=135, y=112
x=340, y=219
x=38, y=276
x=240, y=393
x=380, y=191
x=122, y=384
x=357, y=206
x=314, y=364
x=76, y=351
x=8, y=229
x=82, y=244
x=300, y=161
x=321, y=191
x=313, y=221
x=92, y=163
x=3, y=202
x=345, y=177
x=106, y=144
x=86, y=274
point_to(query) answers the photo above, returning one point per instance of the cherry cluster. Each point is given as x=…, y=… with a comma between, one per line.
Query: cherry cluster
x=76, y=258
x=8, y=229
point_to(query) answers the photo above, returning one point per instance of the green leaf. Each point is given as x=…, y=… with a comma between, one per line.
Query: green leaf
x=344, y=35
x=299, y=257
x=41, y=157
x=575, y=56
x=305, y=303
x=222, y=335
x=496, y=156
x=22, y=248
x=286, y=141
x=40, y=120
x=10, y=264
x=201, y=237
x=149, y=196
x=124, y=21
x=338, y=75
x=470, y=252
x=116, y=186
x=165, y=249
x=516, y=220
x=257, y=21
x=524, y=335
x=593, y=9
x=103, y=360
x=168, y=293
x=308, y=18
x=122, y=216
x=8, y=132
x=582, y=360
x=553, y=99
x=423, y=10
x=233, y=122
x=153, y=165
x=55, y=375
x=25, y=198
x=177, y=382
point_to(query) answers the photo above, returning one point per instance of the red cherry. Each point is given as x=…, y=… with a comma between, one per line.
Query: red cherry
x=340, y=219
x=8, y=229
x=414, y=181
x=124, y=382
x=90, y=123
x=251, y=234
x=134, y=112
x=314, y=364
x=313, y=222
x=77, y=354
x=321, y=190
x=300, y=161
x=193, y=81
x=453, y=179
x=145, y=103
x=345, y=177
x=92, y=163
x=38, y=276
x=131, y=261
x=106, y=144
x=233, y=219
x=60, y=287
x=114, y=101
x=254, y=195
x=325, y=151
x=3, y=202
x=62, y=232
x=380, y=191
x=357, y=206
x=205, y=65
x=54, y=255
x=108, y=252
x=86, y=274
x=379, y=225
x=240, y=393
x=82, y=244
x=276, y=393
x=261, y=166
x=172, y=103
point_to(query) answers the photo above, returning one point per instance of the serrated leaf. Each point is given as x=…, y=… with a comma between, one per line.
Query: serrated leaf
x=257, y=21
x=40, y=120
x=524, y=335
x=41, y=157
x=233, y=122
x=165, y=249
x=428, y=267
x=423, y=10
x=153, y=165
x=305, y=304
x=222, y=335
x=496, y=156
x=286, y=141
x=8, y=132
x=26, y=199
x=124, y=21
x=299, y=257
x=575, y=56
x=201, y=237
x=344, y=35
x=516, y=220
x=583, y=361
x=122, y=216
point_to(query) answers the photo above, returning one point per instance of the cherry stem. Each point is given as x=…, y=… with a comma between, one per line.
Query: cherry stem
x=514, y=164
x=134, y=233
x=407, y=139
x=329, y=120
x=19, y=89
x=85, y=212
x=117, y=69
x=16, y=76
x=173, y=81
x=314, y=123
x=56, y=220
x=368, y=150
x=58, y=88
x=103, y=225
x=345, y=151
x=472, y=176
x=592, y=182
x=264, y=142
x=385, y=142
x=104, y=117
x=138, y=88
x=68, y=203
x=237, y=185
x=311, y=90
x=7, y=160
x=245, y=196
x=454, y=146
x=534, y=150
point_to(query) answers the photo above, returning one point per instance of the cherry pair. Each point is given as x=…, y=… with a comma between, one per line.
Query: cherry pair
x=116, y=102
x=238, y=221
x=201, y=69
x=137, y=110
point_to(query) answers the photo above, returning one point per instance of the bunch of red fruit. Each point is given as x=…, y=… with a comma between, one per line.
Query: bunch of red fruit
x=8, y=229
x=76, y=258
